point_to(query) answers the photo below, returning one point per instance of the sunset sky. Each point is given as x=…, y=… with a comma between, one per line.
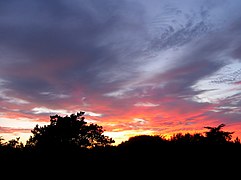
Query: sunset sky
x=134, y=66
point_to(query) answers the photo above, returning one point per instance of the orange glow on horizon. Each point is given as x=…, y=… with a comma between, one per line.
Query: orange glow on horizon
x=121, y=124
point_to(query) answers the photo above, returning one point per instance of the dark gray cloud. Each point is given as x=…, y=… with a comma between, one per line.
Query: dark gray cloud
x=98, y=42
x=87, y=37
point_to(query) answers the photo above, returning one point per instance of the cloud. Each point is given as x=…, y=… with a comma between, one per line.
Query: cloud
x=13, y=130
x=5, y=94
x=45, y=110
x=93, y=114
x=103, y=46
x=19, y=122
x=139, y=120
x=55, y=96
x=179, y=62
x=146, y=104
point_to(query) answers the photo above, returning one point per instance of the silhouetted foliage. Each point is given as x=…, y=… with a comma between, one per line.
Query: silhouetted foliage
x=15, y=143
x=1, y=140
x=144, y=141
x=86, y=143
x=216, y=136
x=187, y=138
x=237, y=140
x=68, y=132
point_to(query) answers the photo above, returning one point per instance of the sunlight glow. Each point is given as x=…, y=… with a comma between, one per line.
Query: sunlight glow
x=121, y=136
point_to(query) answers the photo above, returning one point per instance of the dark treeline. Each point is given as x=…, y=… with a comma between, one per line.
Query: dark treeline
x=71, y=139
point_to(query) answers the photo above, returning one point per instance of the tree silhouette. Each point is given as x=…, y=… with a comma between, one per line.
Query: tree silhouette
x=187, y=138
x=68, y=132
x=216, y=136
x=15, y=143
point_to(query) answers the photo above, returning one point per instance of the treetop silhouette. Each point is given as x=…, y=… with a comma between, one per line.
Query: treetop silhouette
x=216, y=136
x=68, y=132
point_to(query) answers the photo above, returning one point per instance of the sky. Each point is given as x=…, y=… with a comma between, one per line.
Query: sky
x=155, y=67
